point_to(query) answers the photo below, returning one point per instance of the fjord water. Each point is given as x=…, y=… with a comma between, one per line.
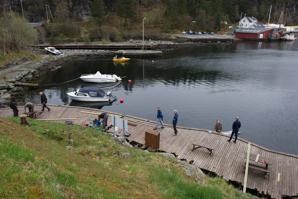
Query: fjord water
x=255, y=81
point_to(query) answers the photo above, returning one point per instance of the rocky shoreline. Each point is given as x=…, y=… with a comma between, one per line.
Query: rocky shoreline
x=29, y=71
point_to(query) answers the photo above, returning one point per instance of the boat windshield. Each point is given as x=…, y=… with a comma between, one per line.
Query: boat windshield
x=93, y=92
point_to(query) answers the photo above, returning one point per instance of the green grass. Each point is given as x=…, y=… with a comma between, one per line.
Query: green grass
x=35, y=163
x=12, y=57
x=180, y=188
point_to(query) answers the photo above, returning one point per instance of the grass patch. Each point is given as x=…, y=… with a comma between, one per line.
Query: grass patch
x=37, y=165
x=14, y=57
x=179, y=187
x=14, y=152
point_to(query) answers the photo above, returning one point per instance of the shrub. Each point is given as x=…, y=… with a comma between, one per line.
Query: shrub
x=63, y=31
x=16, y=33
x=111, y=33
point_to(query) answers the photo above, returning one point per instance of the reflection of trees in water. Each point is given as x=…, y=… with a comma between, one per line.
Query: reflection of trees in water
x=127, y=86
x=63, y=95
x=245, y=45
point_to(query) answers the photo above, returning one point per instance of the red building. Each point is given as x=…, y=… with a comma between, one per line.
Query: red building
x=253, y=34
x=250, y=28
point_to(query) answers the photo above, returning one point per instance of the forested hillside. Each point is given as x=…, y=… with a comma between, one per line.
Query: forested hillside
x=113, y=20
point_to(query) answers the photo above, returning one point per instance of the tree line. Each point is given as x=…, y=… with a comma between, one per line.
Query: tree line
x=171, y=12
x=89, y=20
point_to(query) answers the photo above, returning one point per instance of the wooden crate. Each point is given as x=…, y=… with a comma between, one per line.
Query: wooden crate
x=152, y=139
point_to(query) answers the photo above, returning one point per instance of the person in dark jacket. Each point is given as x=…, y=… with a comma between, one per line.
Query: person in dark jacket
x=159, y=117
x=14, y=107
x=175, y=120
x=44, y=101
x=235, y=129
x=103, y=117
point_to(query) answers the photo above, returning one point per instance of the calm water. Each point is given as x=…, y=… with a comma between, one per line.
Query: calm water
x=255, y=81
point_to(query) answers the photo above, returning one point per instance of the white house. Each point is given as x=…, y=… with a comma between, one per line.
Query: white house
x=249, y=22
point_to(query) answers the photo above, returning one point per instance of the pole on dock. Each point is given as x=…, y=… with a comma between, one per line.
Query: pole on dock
x=246, y=167
x=143, y=35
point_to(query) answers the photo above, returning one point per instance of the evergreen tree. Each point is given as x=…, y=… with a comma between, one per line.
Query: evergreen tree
x=98, y=11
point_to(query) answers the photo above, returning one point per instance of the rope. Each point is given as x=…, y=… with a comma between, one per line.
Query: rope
x=61, y=83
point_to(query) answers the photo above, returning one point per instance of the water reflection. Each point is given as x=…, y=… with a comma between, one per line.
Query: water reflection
x=254, y=80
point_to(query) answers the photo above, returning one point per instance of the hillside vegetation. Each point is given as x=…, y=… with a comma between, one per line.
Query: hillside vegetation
x=35, y=163
x=117, y=20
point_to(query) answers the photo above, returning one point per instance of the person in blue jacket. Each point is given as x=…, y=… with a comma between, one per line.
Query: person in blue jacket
x=159, y=117
x=235, y=129
x=175, y=120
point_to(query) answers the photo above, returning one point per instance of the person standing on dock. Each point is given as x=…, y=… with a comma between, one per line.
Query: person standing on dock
x=44, y=101
x=159, y=116
x=14, y=107
x=235, y=129
x=175, y=120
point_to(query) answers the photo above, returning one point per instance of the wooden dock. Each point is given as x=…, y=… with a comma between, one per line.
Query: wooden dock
x=205, y=38
x=227, y=161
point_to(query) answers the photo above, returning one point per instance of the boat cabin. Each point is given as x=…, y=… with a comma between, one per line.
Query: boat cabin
x=91, y=91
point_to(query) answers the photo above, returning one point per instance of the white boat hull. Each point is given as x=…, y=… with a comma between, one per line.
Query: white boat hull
x=75, y=97
x=100, y=78
x=97, y=80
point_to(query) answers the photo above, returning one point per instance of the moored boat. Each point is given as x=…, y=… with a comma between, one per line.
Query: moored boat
x=100, y=78
x=288, y=37
x=91, y=94
x=120, y=59
x=53, y=50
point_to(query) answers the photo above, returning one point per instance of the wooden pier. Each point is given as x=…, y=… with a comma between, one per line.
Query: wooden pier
x=205, y=38
x=227, y=159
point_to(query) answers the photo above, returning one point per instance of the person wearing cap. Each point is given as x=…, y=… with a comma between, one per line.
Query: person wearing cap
x=175, y=120
x=235, y=129
x=159, y=117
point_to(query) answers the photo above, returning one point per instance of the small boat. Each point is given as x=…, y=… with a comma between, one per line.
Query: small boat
x=288, y=37
x=91, y=94
x=53, y=51
x=100, y=78
x=120, y=59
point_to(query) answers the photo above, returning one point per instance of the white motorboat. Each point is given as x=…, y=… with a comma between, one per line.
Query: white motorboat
x=53, y=51
x=100, y=78
x=91, y=94
x=289, y=37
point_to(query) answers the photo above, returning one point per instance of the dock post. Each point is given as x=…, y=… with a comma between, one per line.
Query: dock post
x=246, y=167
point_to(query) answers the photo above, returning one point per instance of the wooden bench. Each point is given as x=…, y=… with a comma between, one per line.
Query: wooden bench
x=197, y=146
x=259, y=165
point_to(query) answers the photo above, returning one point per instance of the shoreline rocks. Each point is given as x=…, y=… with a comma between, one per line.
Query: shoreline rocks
x=29, y=71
